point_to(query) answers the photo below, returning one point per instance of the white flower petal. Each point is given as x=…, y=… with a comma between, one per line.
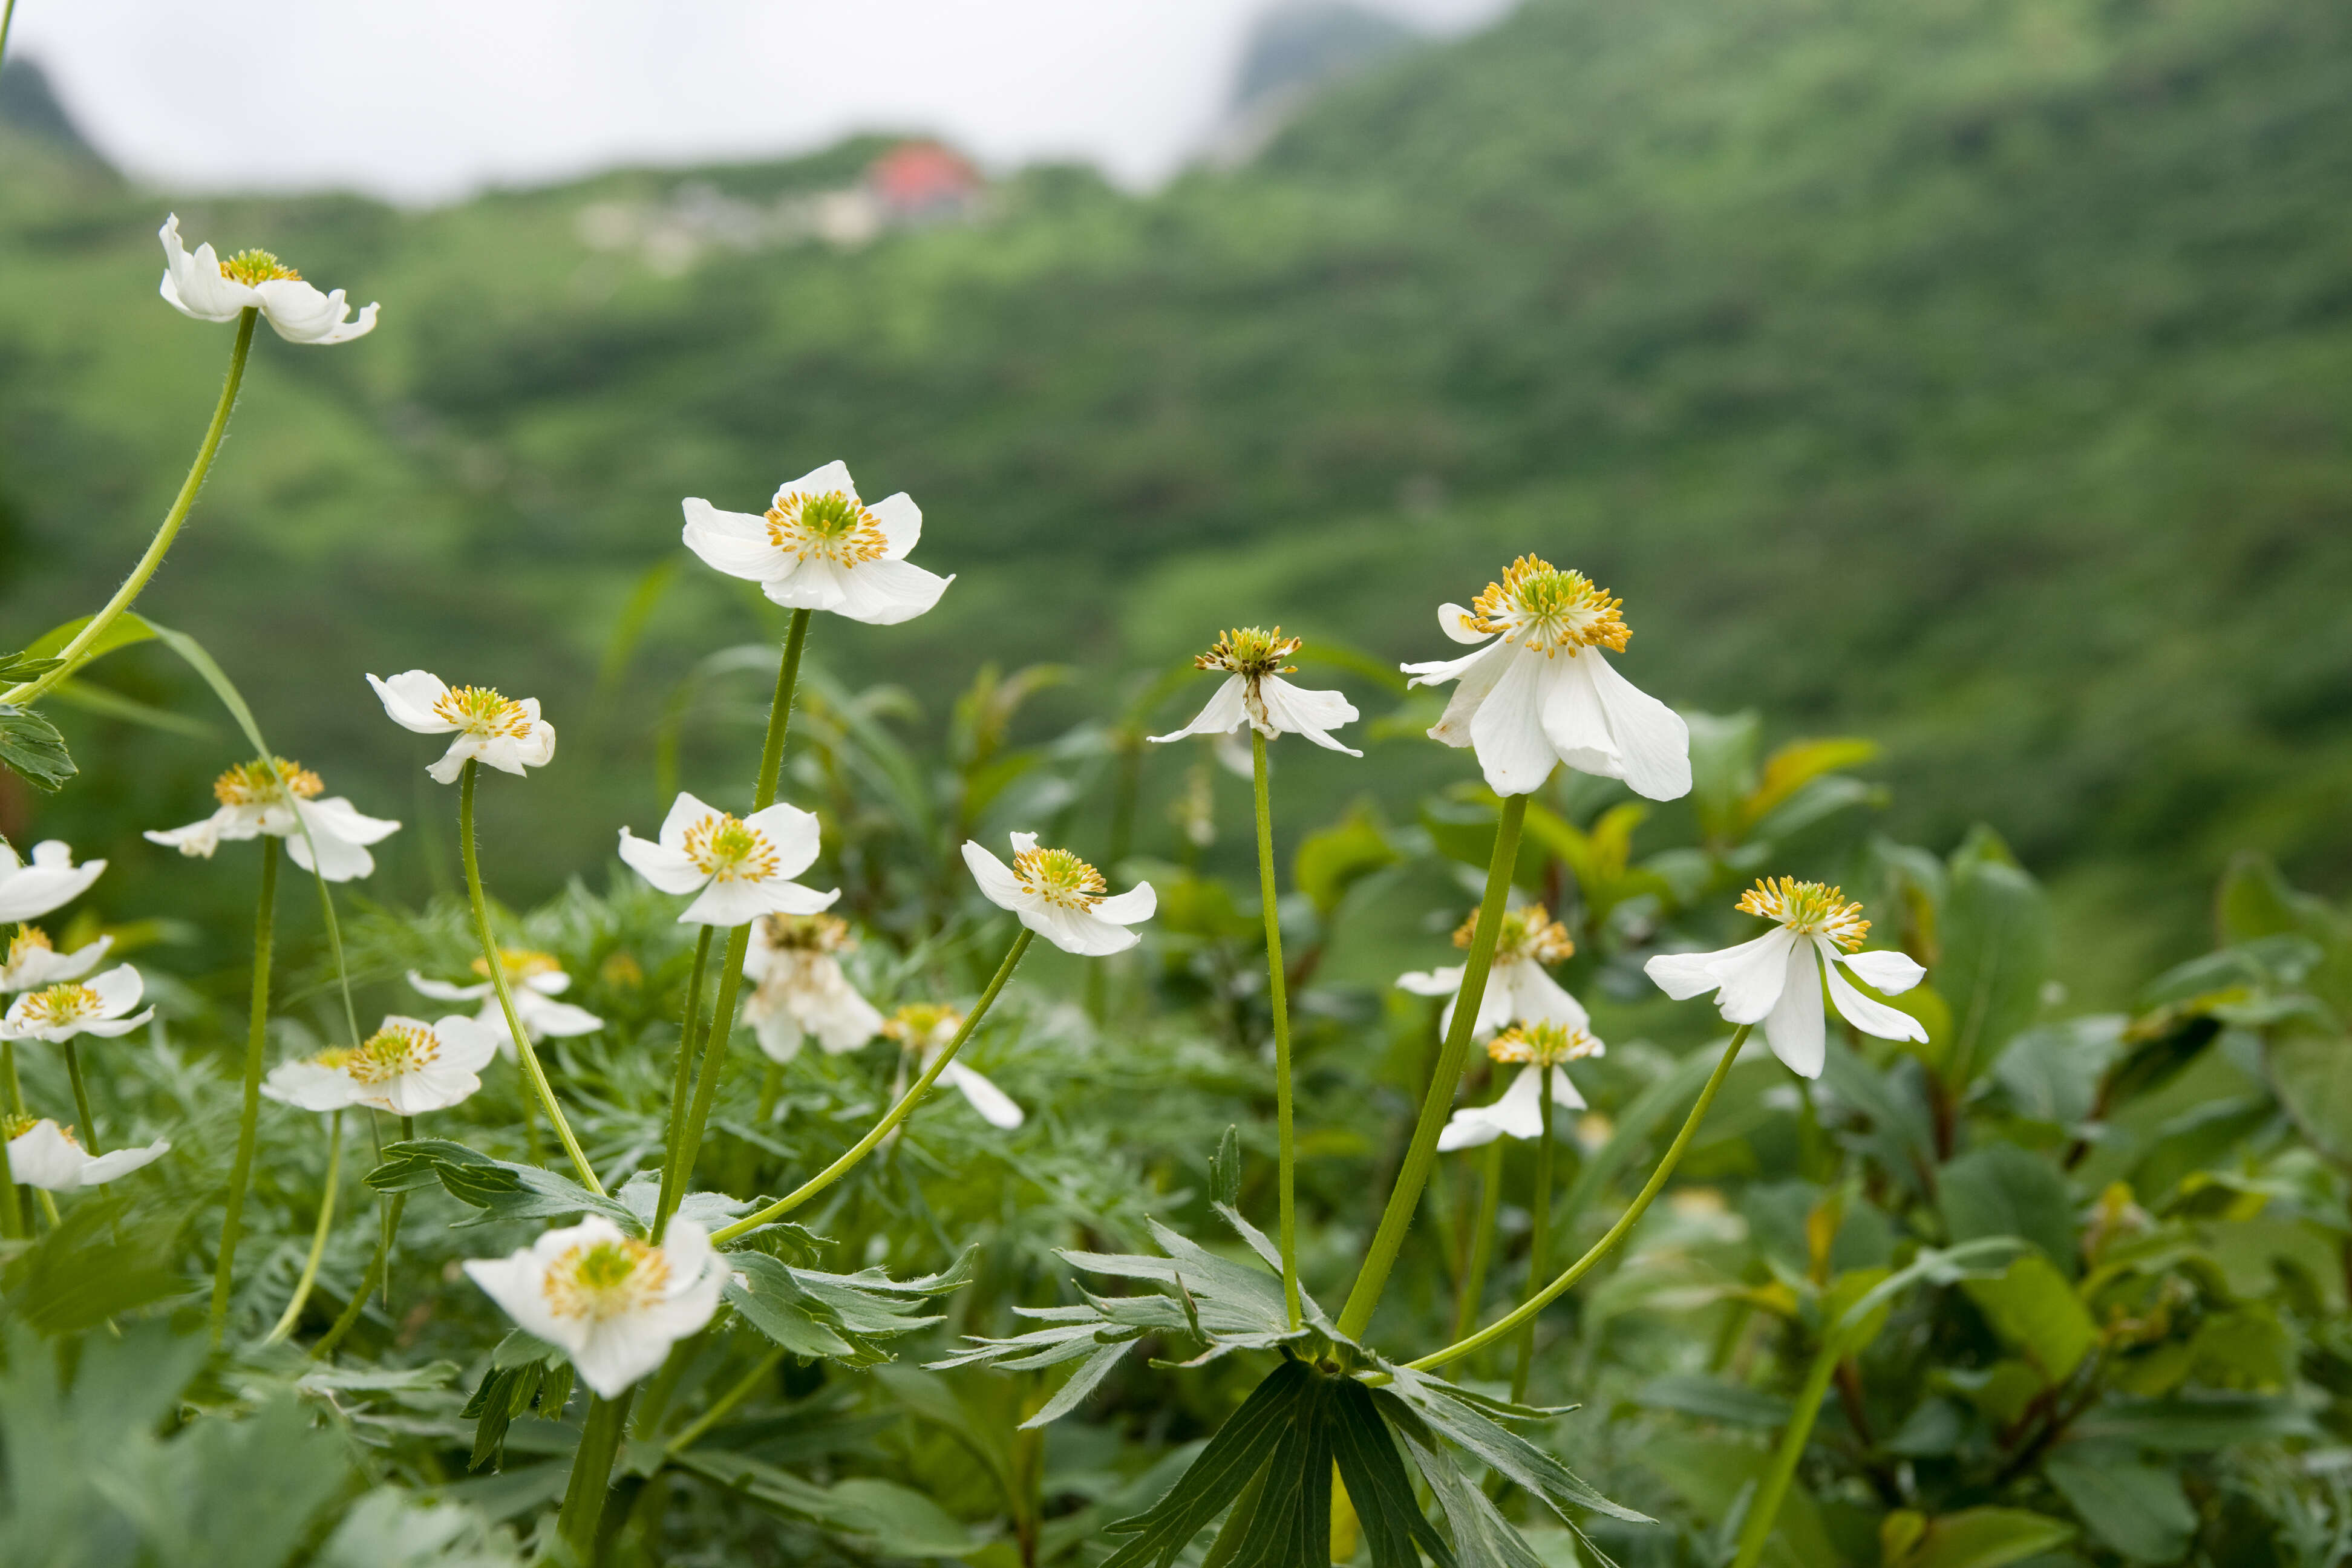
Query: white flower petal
x=1574, y=721
x=308, y=1086
x=195, y=285
x=1683, y=975
x=1478, y=673
x=52, y=879
x=1509, y=729
x=1520, y=1111
x=1751, y=976
x=995, y=1107
x=199, y=840
x=1534, y=997
x=1077, y=932
x=812, y=585
x=117, y=1163
x=664, y=866
x=1467, y=1128
x=996, y=879
x=1795, y=1026
x=886, y=593
x=301, y=315
x=1563, y=1091
x=1302, y=712
x=442, y=991
x=119, y=989
x=1871, y=1017
x=1454, y=620
x=901, y=522
x=408, y=701
x=1890, y=971
x=791, y=831
x=42, y=1156
x=1431, y=982
x=734, y=542
x=684, y=813
x=832, y=478
x=559, y=1019
x=1651, y=736
x=1223, y=715
x=1135, y=905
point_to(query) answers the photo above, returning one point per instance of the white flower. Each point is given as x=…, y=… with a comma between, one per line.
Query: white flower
x=209, y=289
x=925, y=1029
x=29, y=889
x=801, y=987
x=1255, y=693
x=744, y=866
x=1546, y=693
x=534, y=980
x=1517, y=989
x=508, y=734
x=1060, y=897
x=818, y=547
x=44, y=1154
x=277, y=799
x=1776, y=980
x=1546, y=1048
x=615, y=1304
x=31, y=962
x=100, y=1007
x=407, y=1067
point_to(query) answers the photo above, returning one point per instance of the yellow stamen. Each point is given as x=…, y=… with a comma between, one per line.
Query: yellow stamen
x=15, y=1127
x=258, y=783
x=480, y=711
x=835, y=527
x=55, y=1005
x=29, y=940
x=393, y=1051
x=1543, y=1045
x=253, y=267
x=1527, y=934
x=520, y=964
x=1545, y=609
x=605, y=1279
x=919, y=1026
x=1059, y=877
x=806, y=934
x=1250, y=651
x=1809, y=909
x=728, y=850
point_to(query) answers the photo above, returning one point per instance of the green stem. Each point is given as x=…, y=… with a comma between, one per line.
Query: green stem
x=738, y=939
x=896, y=1114
x=591, y=1473
x=1276, y=983
x=1527, y=1310
x=1482, y=1242
x=497, y=965
x=687, y=1029
x=1405, y=1196
x=249, y=1115
x=14, y=1221
x=1539, y=1239
x=1764, y=1506
x=7, y=15
x=75, y=652
x=81, y=1100
x=287, y=1320
x=375, y=1272
x=745, y=1386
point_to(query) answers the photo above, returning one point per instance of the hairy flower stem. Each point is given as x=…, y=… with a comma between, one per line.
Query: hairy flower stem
x=1276, y=983
x=591, y=1474
x=81, y=1100
x=1405, y=1196
x=896, y=1114
x=249, y=1115
x=78, y=651
x=744, y=1387
x=14, y=1221
x=497, y=965
x=368, y=1282
x=738, y=939
x=1526, y=1312
x=1481, y=1243
x=688, y=1027
x=287, y=1320
x=1538, y=1240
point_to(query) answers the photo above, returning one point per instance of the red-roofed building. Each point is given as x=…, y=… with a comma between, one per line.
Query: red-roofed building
x=918, y=180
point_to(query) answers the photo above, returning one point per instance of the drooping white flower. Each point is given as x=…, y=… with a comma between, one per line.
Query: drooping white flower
x=534, y=980
x=744, y=866
x=1546, y=1049
x=31, y=889
x=99, y=1005
x=1254, y=693
x=924, y=1029
x=207, y=289
x=1517, y=989
x=1061, y=897
x=279, y=798
x=505, y=732
x=406, y=1068
x=32, y=962
x=1777, y=979
x=818, y=547
x=800, y=987
x=43, y=1154
x=1546, y=693
x=615, y=1304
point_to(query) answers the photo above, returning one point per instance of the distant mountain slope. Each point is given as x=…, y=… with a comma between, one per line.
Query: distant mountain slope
x=1973, y=374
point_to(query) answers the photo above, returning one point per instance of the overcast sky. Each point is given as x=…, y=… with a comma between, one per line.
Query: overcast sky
x=421, y=100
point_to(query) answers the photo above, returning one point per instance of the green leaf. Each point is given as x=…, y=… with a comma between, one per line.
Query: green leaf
x=1335, y=859
x=126, y=629
x=1723, y=769
x=1377, y=1483
x=763, y=1290
x=1225, y=1169
x=1796, y=765
x=1712, y=1399
x=881, y=1516
x=110, y=704
x=2311, y=1069
x=2032, y=1307
x=1996, y=937
x=31, y=748
x=1454, y=1414
x=2197, y=1423
x=2138, y=1509
x=501, y=1190
x=1289, y=1521
x=1241, y=1447
x=93, y=1266
x=1984, y=1537
x=2003, y=1190
x=21, y=667
x=1482, y=1536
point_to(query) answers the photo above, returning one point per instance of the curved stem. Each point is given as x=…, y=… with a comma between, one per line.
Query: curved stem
x=1764, y=1505
x=1539, y=1239
x=287, y=1320
x=81, y=1100
x=1405, y=1196
x=688, y=1027
x=368, y=1281
x=77, y=651
x=249, y=1115
x=896, y=1114
x=7, y=15
x=1482, y=1242
x=591, y=1473
x=1577, y=1271
x=744, y=1387
x=497, y=966
x=14, y=1221
x=1277, y=981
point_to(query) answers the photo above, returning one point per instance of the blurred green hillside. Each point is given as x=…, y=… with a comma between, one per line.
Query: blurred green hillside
x=1973, y=375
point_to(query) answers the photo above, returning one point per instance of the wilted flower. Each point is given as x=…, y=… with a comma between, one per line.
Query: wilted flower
x=1060, y=897
x=1546, y=1049
x=407, y=1067
x=43, y=1154
x=924, y=1029
x=31, y=962
x=279, y=798
x=801, y=986
x=1776, y=980
x=503, y=732
x=818, y=547
x=1546, y=693
x=744, y=866
x=615, y=1304
x=31, y=889
x=1255, y=693
x=1517, y=989
x=209, y=289
x=100, y=1007
x=533, y=981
